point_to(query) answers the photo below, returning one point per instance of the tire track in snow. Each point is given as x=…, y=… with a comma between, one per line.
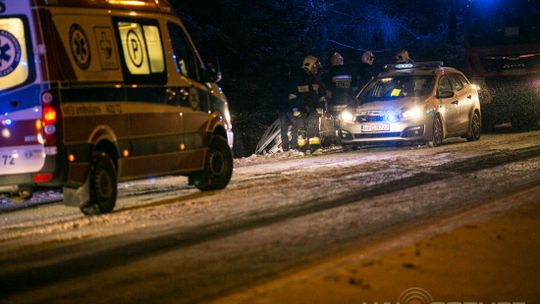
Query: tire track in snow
x=80, y=266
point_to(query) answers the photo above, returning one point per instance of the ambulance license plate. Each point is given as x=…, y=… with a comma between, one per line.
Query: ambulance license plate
x=7, y=160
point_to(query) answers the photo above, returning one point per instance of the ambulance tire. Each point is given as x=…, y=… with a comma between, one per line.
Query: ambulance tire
x=218, y=167
x=103, y=186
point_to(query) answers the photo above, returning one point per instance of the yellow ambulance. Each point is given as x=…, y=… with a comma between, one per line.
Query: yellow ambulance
x=93, y=92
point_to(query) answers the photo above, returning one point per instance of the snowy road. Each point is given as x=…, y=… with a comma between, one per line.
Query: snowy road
x=169, y=242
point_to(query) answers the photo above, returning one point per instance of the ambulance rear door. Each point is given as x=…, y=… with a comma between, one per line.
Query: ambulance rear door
x=21, y=141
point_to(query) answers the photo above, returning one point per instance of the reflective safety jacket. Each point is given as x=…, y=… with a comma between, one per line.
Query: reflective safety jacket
x=339, y=81
x=307, y=89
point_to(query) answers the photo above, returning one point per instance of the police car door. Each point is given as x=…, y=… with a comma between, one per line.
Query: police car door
x=464, y=98
x=448, y=105
x=194, y=97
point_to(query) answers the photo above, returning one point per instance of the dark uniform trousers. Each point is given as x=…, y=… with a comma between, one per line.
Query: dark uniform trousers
x=305, y=116
x=286, y=119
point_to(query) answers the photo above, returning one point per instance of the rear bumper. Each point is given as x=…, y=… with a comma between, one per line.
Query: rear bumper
x=14, y=182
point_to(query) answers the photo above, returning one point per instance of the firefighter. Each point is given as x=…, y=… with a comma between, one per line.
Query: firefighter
x=402, y=56
x=338, y=82
x=307, y=108
x=286, y=119
x=365, y=71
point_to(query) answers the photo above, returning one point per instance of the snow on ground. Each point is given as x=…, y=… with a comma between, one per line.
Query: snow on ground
x=261, y=183
x=277, y=211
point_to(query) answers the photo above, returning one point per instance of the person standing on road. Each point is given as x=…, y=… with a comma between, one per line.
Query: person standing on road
x=307, y=108
x=338, y=83
x=365, y=71
x=285, y=106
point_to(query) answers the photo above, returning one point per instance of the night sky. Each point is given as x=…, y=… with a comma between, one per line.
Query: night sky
x=259, y=42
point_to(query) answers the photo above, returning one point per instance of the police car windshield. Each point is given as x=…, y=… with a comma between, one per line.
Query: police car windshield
x=14, y=68
x=395, y=87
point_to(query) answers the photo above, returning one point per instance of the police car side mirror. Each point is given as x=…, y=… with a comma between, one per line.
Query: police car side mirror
x=445, y=94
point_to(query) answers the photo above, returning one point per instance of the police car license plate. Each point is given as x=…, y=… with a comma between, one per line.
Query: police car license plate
x=374, y=127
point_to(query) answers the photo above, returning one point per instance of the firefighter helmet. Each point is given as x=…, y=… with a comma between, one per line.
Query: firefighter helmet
x=402, y=57
x=368, y=57
x=336, y=59
x=310, y=64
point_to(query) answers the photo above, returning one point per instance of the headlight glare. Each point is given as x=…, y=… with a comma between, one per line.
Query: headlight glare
x=347, y=116
x=413, y=113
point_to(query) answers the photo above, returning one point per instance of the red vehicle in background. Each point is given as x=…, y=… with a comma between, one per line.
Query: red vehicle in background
x=503, y=58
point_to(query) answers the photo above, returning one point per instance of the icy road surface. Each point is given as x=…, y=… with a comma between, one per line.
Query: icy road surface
x=170, y=243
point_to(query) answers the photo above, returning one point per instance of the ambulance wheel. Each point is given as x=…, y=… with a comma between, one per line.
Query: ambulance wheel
x=218, y=167
x=102, y=186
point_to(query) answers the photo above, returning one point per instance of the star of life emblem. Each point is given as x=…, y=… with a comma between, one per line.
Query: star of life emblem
x=10, y=53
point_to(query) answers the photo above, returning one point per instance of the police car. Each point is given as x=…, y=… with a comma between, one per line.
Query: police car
x=423, y=102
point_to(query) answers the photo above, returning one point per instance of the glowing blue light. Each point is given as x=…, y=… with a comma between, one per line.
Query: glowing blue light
x=7, y=122
x=390, y=117
x=177, y=65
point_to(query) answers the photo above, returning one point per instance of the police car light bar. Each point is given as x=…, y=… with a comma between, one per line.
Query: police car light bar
x=424, y=64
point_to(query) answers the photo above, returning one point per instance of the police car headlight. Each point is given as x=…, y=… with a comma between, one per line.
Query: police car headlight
x=347, y=116
x=414, y=113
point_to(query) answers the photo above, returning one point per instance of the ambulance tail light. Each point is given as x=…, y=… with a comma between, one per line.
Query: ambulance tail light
x=43, y=178
x=49, y=116
x=49, y=128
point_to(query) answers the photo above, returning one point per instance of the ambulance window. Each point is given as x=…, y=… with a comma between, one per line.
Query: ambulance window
x=15, y=66
x=142, y=50
x=184, y=57
x=153, y=41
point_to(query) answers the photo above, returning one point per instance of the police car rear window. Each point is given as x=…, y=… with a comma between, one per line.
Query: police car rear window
x=14, y=65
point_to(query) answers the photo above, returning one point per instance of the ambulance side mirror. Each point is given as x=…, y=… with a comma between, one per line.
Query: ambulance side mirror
x=213, y=71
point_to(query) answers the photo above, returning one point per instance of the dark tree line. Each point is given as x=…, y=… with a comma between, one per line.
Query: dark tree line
x=259, y=42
